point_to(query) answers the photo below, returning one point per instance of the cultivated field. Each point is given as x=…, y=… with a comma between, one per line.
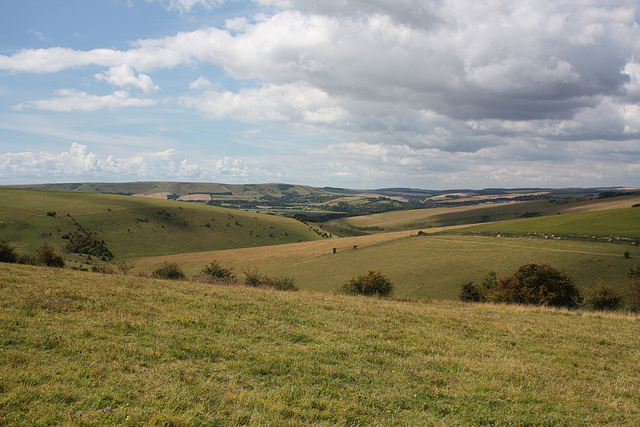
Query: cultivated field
x=86, y=349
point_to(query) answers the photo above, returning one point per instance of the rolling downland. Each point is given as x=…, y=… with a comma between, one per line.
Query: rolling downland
x=96, y=350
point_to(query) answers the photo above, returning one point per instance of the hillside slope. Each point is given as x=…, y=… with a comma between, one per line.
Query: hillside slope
x=133, y=227
x=436, y=266
x=110, y=350
x=447, y=216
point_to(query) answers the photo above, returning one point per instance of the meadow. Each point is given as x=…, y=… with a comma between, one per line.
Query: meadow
x=86, y=349
x=426, y=266
x=134, y=227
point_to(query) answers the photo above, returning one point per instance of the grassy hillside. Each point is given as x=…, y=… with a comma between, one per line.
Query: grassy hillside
x=134, y=227
x=613, y=223
x=184, y=188
x=439, y=217
x=433, y=266
x=86, y=349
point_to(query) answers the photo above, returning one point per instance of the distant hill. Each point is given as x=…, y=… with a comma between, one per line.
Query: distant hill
x=133, y=227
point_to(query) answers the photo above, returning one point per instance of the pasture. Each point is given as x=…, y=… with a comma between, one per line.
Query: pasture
x=134, y=227
x=446, y=216
x=428, y=266
x=98, y=350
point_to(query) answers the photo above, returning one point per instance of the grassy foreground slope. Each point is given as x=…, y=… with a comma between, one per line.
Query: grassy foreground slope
x=134, y=227
x=81, y=348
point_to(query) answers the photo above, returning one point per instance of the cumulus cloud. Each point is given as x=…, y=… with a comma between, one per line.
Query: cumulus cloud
x=200, y=83
x=74, y=100
x=402, y=83
x=123, y=76
x=184, y=6
x=79, y=163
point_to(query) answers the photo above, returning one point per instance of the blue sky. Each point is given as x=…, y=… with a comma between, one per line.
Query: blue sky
x=348, y=93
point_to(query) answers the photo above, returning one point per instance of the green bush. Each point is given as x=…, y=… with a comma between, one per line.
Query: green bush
x=604, y=298
x=471, y=293
x=7, y=253
x=169, y=270
x=216, y=271
x=537, y=284
x=255, y=279
x=284, y=284
x=47, y=256
x=372, y=283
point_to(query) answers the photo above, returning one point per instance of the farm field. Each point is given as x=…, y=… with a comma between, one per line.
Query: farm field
x=96, y=350
x=439, y=217
x=134, y=227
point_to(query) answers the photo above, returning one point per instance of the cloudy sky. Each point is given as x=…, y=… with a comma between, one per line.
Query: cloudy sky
x=435, y=94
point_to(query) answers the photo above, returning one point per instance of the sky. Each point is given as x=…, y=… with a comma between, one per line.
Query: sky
x=432, y=94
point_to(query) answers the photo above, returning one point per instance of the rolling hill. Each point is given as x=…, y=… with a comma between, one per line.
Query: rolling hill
x=436, y=265
x=472, y=214
x=134, y=227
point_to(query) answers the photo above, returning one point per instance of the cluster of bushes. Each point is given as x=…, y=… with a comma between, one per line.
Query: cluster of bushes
x=373, y=283
x=45, y=255
x=541, y=284
x=215, y=273
x=86, y=244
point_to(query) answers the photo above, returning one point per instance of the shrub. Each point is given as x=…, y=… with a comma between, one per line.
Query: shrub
x=215, y=270
x=47, y=256
x=372, y=283
x=7, y=252
x=284, y=284
x=471, y=293
x=124, y=266
x=604, y=298
x=254, y=279
x=169, y=270
x=537, y=284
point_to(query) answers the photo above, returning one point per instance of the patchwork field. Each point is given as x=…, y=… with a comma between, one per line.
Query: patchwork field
x=95, y=350
x=440, y=217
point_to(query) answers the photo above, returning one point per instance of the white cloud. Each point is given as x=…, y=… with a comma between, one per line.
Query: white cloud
x=294, y=103
x=183, y=6
x=405, y=86
x=74, y=100
x=200, y=83
x=123, y=76
x=79, y=163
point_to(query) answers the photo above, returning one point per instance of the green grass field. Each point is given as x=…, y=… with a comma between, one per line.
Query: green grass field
x=86, y=349
x=429, y=266
x=613, y=223
x=134, y=227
